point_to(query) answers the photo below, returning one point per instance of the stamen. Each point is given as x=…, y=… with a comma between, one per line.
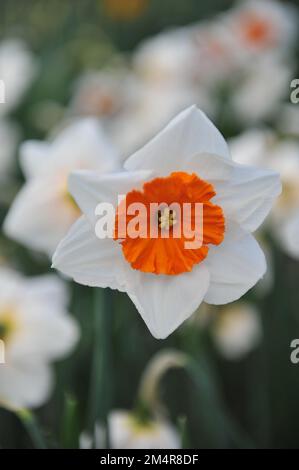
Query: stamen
x=167, y=218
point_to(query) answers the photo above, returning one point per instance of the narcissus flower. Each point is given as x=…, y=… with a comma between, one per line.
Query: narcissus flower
x=43, y=210
x=186, y=163
x=127, y=432
x=237, y=330
x=35, y=330
x=18, y=68
x=262, y=25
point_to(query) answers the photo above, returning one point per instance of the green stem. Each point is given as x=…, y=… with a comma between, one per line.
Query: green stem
x=30, y=423
x=70, y=424
x=100, y=385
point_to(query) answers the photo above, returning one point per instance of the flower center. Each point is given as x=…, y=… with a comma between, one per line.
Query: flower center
x=256, y=30
x=72, y=203
x=166, y=218
x=175, y=227
x=7, y=325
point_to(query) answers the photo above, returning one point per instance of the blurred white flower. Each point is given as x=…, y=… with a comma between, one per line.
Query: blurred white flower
x=264, y=149
x=36, y=330
x=156, y=106
x=18, y=68
x=214, y=57
x=127, y=432
x=261, y=26
x=166, y=280
x=9, y=136
x=237, y=330
x=249, y=148
x=104, y=93
x=164, y=69
x=165, y=58
x=43, y=210
x=260, y=93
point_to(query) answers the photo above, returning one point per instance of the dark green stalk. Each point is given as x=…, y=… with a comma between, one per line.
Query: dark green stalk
x=30, y=423
x=101, y=385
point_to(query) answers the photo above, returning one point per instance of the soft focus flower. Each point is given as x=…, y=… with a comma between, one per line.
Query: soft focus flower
x=143, y=121
x=260, y=26
x=9, y=135
x=17, y=69
x=44, y=210
x=165, y=58
x=104, y=93
x=126, y=431
x=214, y=56
x=164, y=85
x=35, y=330
x=263, y=88
x=237, y=330
x=263, y=148
x=188, y=161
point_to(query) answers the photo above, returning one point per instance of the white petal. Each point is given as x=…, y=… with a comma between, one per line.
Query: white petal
x=249, y=195
x=47, y=288
x=235, y=266
x=89, y=188
x=157, y=434
x=83, y=144
x=190, y=133
x=40, y=215
x=47, y=333
x=164, y=302
x=120, y=428
x=212, y=168
x=24, y=384
x=237, y=330
x=33, y=156
x=10, y=282
x=89, y=260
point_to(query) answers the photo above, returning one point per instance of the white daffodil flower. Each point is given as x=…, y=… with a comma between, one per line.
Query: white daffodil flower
x=261, y=26
x=237, y=330
x=187, y=162
x=264, y=149
x=127, y=432
x=104, y=93
x=18, y=68
x=35, y=329
x=43, y=210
